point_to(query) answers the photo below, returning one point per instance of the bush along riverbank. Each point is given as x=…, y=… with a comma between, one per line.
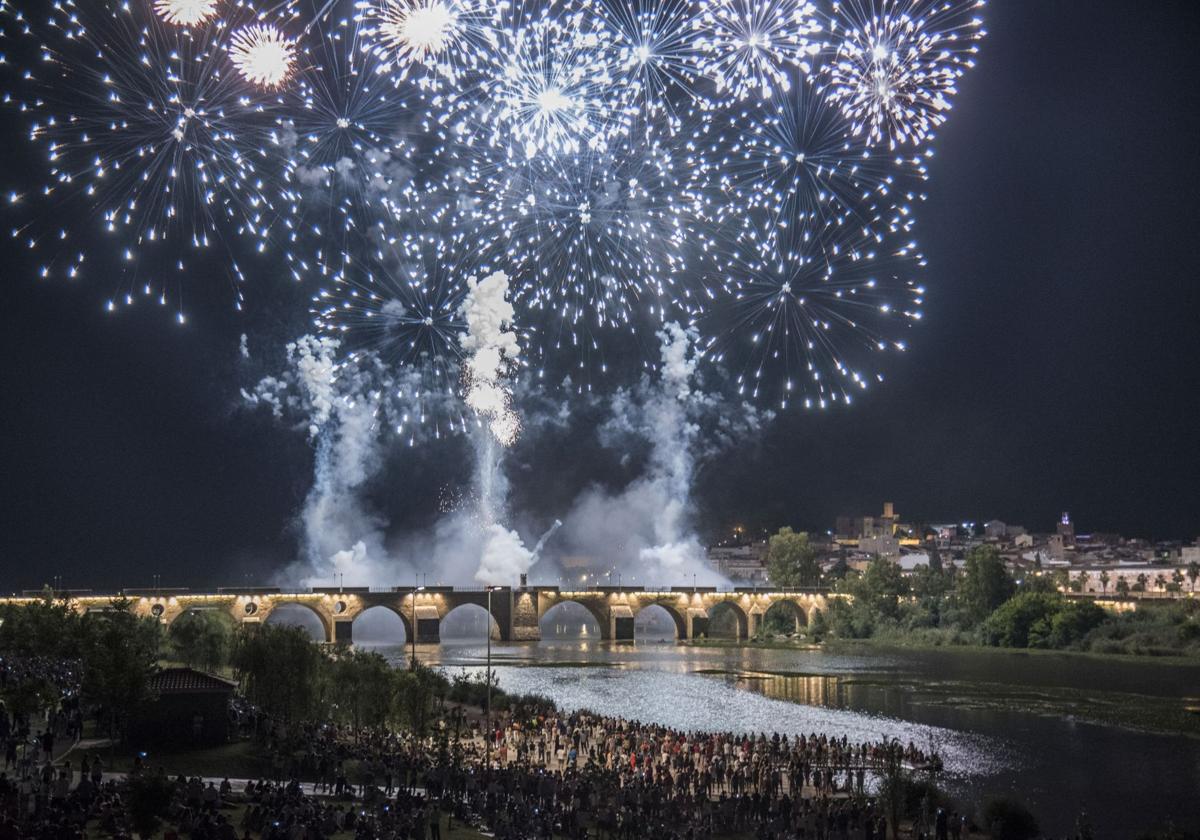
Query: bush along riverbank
x=980, y=604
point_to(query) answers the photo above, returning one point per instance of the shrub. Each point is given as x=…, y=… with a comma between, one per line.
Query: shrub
x=1013, y=621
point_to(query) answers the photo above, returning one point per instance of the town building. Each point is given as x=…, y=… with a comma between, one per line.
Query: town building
x=746, y=562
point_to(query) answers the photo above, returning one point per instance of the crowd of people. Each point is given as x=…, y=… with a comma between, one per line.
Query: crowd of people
x=529, y=774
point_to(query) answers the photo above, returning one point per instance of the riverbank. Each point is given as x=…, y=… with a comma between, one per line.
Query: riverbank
x=894, y=643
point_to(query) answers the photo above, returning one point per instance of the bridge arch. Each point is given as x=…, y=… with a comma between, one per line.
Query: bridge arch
x=381, y=624
x=468, y=623
x=297, y=614
x=676, y=617
x=572, y=612
x=722, y=611
x=782, y=613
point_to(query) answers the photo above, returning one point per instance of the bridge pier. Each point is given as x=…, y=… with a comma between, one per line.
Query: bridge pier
x=524, y=616
x=621, y=624
x=428, y=625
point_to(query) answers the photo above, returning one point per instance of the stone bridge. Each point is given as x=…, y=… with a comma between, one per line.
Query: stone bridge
x=518, y=612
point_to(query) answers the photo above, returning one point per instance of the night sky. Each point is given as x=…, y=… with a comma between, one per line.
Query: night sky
x=1057, y=366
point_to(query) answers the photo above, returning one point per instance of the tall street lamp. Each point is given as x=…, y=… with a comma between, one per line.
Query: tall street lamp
x=487, y=744
x=413, y=665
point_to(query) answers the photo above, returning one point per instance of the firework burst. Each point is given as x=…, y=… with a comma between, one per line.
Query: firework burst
x=347, y=132
x=748, y=47
x=794, y=156
x=432, y=41
x=147, y=136
x=401, y=303
x=657, y=59
x=794, y=314
x=263, y=55
x=186, y=12
x=749, y=166
x=596, y=241
x=549, y=89
x=897, y=64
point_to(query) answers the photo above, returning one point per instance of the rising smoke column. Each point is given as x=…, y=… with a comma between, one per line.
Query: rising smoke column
x=673, y=436
x=341, y=533
x=493, y=353
x=645, y=529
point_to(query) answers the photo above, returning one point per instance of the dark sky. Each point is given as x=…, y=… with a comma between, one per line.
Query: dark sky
x=1057, y=367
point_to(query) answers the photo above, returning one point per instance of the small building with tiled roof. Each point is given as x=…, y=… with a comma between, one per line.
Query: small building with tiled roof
x=190, y=708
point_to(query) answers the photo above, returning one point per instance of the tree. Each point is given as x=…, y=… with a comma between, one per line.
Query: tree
x=416, y=691
x=1104, y=579
x=45, y=627
x=1041, y=620
x=986, y=584
x=120, y=653
x=281, y=670
x=1160, y=580
x=1193, y=572
x=362, y=688
x=817, y=626
x=791, y=559
x=881, y=587
x=1122, y=586
x=201, y=639
x=1177, y=579
x=1142, y=580
x=935, y=558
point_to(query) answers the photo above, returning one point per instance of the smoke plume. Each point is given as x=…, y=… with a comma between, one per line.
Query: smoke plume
x=646, y=530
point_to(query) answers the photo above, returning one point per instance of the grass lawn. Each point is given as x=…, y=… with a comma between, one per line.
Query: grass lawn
x=237, y=760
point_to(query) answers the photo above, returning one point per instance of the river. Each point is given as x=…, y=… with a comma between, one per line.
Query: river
x=1061, y=733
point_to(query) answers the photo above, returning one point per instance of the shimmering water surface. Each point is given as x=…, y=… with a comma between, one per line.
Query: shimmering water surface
x=1063, y=734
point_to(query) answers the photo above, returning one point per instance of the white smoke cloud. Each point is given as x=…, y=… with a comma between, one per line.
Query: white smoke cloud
x=493, y=352
x=647, y=528
x=343, y=536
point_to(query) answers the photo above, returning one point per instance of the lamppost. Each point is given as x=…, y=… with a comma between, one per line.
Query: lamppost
x=412, y=666
x=487, y=708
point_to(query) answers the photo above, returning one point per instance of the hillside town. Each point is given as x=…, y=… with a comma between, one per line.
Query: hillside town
x=1093, y=562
